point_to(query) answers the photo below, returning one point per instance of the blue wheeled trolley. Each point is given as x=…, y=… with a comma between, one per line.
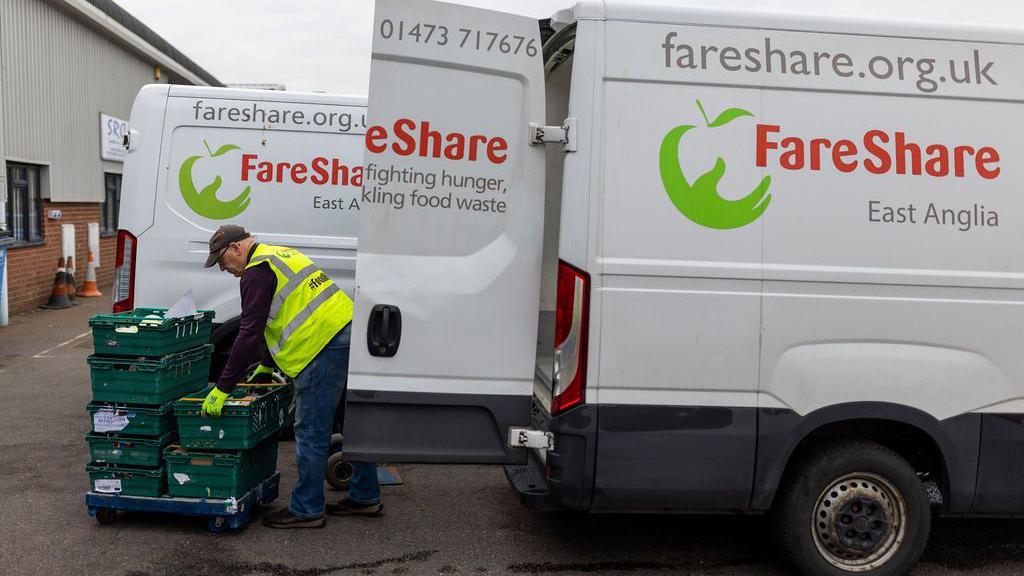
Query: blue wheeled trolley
x=221, y=514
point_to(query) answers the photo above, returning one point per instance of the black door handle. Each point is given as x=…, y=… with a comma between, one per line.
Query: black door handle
x=384, y=330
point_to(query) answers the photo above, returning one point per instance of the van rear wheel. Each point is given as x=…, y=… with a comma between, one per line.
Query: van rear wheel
x=852, y=508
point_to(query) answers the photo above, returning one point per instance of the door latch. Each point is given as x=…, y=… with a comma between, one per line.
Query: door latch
x=384, y=330
x=564, y=134
x=526, y=438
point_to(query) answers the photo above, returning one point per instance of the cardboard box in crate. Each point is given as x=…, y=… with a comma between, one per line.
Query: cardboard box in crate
x=254, y=413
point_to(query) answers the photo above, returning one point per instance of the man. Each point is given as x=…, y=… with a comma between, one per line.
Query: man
x=304, y=318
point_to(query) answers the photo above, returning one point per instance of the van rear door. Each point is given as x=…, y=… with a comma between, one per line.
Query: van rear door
x=450, y=236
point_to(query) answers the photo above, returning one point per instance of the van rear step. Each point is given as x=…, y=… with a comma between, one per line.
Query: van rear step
x=529, y=482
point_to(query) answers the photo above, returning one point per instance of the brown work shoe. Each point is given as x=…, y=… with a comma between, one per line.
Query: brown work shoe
x=346, y=507
x=284, y=518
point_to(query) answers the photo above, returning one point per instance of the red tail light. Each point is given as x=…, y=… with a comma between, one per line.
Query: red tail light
x=124, y=272
x=572, y=313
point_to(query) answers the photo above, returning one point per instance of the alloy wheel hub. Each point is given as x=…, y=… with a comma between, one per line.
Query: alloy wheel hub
x=859, y=522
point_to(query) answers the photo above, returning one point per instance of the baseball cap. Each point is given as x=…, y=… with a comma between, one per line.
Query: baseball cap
x=220, y=240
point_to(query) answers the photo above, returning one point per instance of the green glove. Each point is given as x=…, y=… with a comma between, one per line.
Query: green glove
x=214, y=402
x=262, y=374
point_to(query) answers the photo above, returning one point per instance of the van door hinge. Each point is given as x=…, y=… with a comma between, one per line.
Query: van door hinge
x=131, y=140
x=526, y=438
x=564, y=134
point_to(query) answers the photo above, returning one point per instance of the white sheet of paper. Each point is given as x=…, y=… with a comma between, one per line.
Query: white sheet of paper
x=109, y=421
x=185, y=306
x=107, y=485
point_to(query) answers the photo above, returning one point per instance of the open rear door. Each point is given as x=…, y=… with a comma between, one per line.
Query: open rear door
x=450, y=236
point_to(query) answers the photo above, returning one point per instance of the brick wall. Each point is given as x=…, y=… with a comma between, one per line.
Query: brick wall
x=31, y=268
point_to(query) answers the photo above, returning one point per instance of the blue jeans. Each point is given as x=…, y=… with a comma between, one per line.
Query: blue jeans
x=319, y=389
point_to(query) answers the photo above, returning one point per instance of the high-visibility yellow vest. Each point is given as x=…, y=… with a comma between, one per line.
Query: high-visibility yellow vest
x=307, y=311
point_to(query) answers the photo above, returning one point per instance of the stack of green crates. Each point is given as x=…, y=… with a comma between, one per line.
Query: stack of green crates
x=226, y=457
x=142, y=364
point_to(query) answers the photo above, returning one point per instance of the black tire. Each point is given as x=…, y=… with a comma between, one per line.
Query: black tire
x=339, y=471
x=853, y=507
x=106, y=516
x=217, y=524
x=288, y=429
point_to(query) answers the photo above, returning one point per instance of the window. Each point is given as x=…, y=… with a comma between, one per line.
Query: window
x=111, y=204
x=24, y=203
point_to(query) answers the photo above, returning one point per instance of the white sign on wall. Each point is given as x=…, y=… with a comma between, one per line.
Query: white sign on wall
x=112, y=131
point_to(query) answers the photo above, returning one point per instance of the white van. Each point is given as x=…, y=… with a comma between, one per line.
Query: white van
x=687, y=259
x=287, y=166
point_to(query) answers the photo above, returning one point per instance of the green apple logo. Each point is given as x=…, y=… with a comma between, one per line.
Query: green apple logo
x=700, y=202
x=205, y=203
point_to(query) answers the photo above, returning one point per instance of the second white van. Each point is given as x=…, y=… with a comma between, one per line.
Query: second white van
x=287, y=166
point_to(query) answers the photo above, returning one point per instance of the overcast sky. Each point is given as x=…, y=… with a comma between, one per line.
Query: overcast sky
x=321, y=45
x=324, y=45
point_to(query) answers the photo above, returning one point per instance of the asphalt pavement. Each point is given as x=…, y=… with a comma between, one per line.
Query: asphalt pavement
x=443, y=520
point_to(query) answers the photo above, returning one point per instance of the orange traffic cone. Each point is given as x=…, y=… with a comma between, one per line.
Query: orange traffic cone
x=89, y=289
x=59, y=294
x=72, y=289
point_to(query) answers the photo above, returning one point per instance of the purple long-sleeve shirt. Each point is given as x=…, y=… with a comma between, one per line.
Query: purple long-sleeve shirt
x=257, y=287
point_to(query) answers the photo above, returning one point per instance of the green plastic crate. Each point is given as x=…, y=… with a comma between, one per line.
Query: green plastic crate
x=149, y=381
x=198, y=474
x=127, y=481
x=128, y=450
x=132, y=334
x=254, y=413
x=132, y=420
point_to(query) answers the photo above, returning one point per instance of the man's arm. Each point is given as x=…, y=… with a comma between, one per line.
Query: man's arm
x=257, y=288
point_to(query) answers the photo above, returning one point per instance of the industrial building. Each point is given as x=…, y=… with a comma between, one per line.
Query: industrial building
x=69, y=71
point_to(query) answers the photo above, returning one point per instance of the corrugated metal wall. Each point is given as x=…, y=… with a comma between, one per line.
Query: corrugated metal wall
x=3, y=170
x=58, y=76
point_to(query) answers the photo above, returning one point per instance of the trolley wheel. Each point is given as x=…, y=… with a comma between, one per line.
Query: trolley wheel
x=106, y=516
x=218, y=524
x=339, y=471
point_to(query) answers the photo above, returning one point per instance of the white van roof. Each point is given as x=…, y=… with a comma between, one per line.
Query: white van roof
x=178, y=90
x=994, y=20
